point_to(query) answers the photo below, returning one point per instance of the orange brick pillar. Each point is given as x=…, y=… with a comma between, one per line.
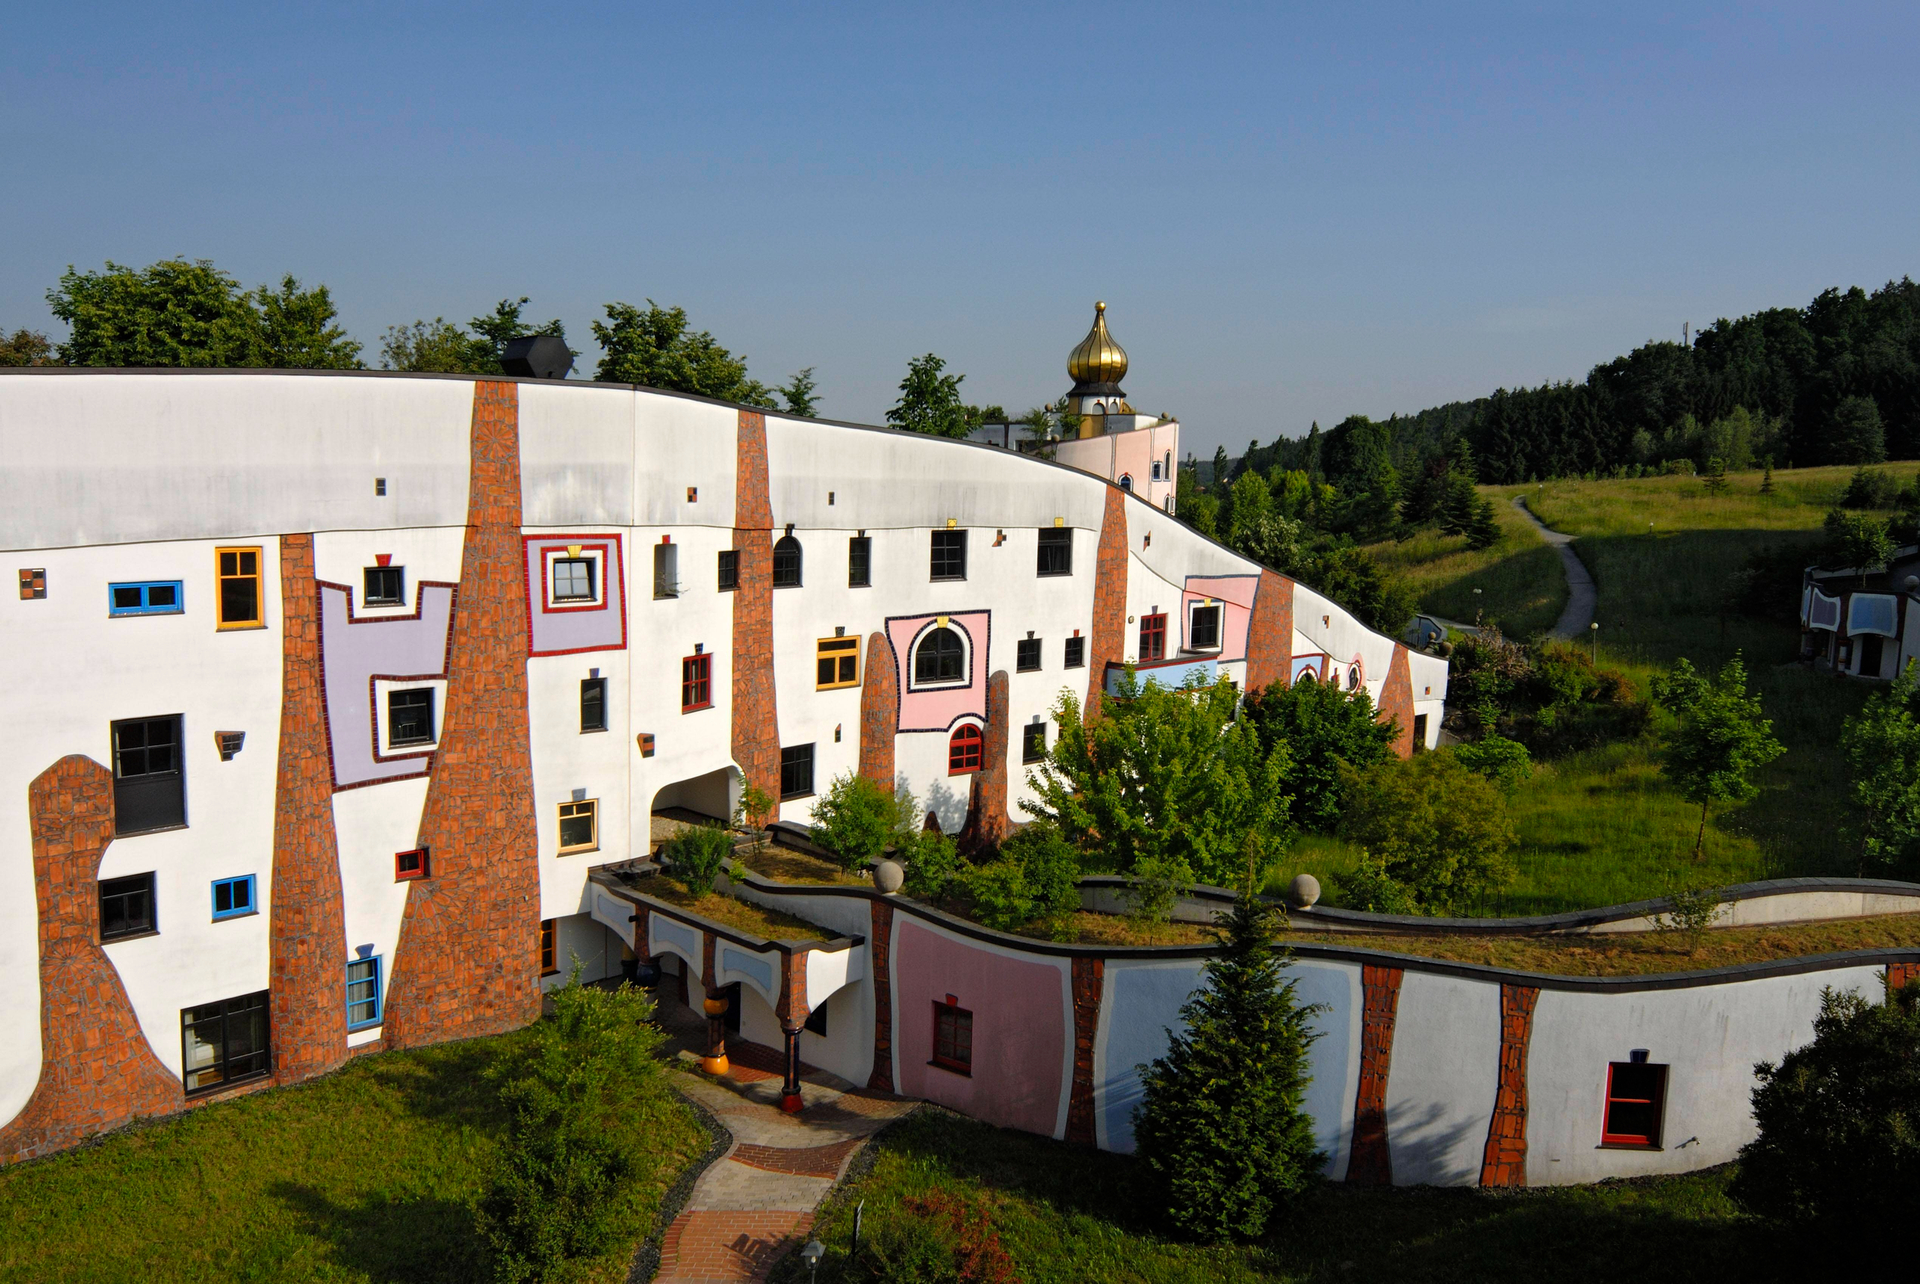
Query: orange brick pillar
x=879, y=712
x=468, y=961
x=1371, y=1160
x=1088, y=979
x=756, y=732
x=1396, y=700
x=987, y=820
x=1109, y=639
x=715, y=1006
x=880, y=960
x=1270, y=632
x=1504, y=1162
x=97, y=1070
x=307, y=935
x=793, y=1013
x=1899, y=974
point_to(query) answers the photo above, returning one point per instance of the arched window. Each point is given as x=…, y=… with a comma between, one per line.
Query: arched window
x=1156, y=470
x=939, y=658
x=1168, y=471
x=1307, y=675
x=1126, y=482
x=786, y=562
x=964, y=749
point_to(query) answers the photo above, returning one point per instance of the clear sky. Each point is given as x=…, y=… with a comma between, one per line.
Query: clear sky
x=1294, y=212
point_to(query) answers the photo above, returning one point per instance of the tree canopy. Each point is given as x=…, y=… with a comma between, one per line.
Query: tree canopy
x=930, y=401
x=659, y=348
x=1719, y=736
x=1881, y=745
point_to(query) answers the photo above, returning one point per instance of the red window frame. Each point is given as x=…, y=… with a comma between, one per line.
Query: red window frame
x=1153, y=636
x=1656, y=1102
x=696, y=683
x=410, y=864
x=965, y=749
x=952, y=1037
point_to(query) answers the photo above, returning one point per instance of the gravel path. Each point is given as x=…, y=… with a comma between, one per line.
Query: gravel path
x=1574, y=620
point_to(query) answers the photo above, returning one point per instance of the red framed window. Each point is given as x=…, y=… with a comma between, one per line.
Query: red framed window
x=1636, y=1104
x=964, y=749
x=696, y=683
x=410, y=864
x=1153, y=636
x=952, y=1036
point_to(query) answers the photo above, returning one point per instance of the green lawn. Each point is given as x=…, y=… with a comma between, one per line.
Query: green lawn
x=365, y=1175
x=1518, y=580
x=1067, y=1215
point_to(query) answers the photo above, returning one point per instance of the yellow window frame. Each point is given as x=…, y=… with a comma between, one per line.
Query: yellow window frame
x=588, y=807
x=836, y=663
x=230, y=562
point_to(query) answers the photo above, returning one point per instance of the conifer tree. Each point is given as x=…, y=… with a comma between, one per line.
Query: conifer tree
x=1221, y=1129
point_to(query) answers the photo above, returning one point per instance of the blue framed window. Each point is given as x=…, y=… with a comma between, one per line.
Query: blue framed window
x=363, y=993
x=233, y=897
x=144, y=597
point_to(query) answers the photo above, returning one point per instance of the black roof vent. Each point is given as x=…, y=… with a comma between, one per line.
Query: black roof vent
x=538, y=356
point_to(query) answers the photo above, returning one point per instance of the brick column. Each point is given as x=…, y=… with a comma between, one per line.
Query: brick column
x=307, y=935
x=879, y=712
x=756, y=733
x=1088, y=979
x=468, y=960
x=1504, y=1162
x=987, y=820
x=714, y=1004
x=1108, y=643
x=1396, y=700
x=880, y=960
x=1270, y=632
x=1371, y=1160
x=1899, y=974
x=97, y=1070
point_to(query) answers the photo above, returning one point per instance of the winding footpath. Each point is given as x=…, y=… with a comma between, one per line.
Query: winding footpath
x=1581, y=594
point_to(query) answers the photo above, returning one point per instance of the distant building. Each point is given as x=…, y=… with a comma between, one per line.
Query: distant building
x=1864, y=624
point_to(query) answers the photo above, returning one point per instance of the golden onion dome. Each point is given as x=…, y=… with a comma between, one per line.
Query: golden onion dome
x=1098, y=360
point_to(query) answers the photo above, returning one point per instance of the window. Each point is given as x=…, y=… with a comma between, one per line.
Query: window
x=1056, y=551
x=817, y=1022
x=153, y=597
x=666, y=570
x=1153, y=636
x=940, y=657
x=410, y=717
x=796, y=771
x=579, y=826
x=952, y=1037
x=1419, y=732
x=1076, y=653
x=860, y=562
x=149, y=786
x=239, y=587
x=786, y=562
x=1156, y=470
x=126, y=907
x=384, y=586
x=949, y=555
x=573, y=579
x=593, y=704
x=224, y=1042
x=410, y=864
x=837, y=663
x=1126, y=482
x=696, y=683
x=233, y=897
x=548, y=954
x=363, y=993
x=1636, y=1103
x=964, y=749
x=1204, y=635
x=1026, y=655
x=1033, y=742
x=729, y=576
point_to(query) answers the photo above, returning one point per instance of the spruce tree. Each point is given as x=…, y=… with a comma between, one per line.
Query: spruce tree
x=1221, y=1131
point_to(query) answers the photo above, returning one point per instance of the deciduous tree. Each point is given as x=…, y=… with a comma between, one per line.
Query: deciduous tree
x=1437, y=829
x=1321, y=727
x=930, y=401
x=1718, y=739
x=1881, y=744
x=660, y=349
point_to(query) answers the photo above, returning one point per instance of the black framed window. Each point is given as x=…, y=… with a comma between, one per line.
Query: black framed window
x=786, y=562
x=225, y=1042
x=384, y=586
x=1636, y=1103
x=860, y=561
x=126, y=907
x=1026, y=655
x=949, y=560
x=729, y=570
x=1076, y=653
x=666, y=570
x=940, y=657
x=593, y=704
x=1204, y=635
x=952, y=1038
x=573, y=579
x=1056, y=551
x=410, y=717
x=1033, y=742
x=149, y=776
x=796, y=771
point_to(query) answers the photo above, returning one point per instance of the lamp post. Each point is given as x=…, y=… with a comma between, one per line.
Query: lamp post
x=811, y=1255
x=1594, y=630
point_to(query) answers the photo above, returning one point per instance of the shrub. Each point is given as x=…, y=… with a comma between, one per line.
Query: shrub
x=1691, y=911
x=1438, y=829
x=1719, y=737
x=1368, y=887
x=944, y=1239
x=1051, y=870
x=856, y=821
x=1871, y=488
x=1221, y=1131
x=1837, y=1141
x=1881, y=744
x=1001, y=898
x=694, y=856
x=1547, y=695
x=1505, y=762
x=1321, y=726
x=1157, y=883
x=931, y=864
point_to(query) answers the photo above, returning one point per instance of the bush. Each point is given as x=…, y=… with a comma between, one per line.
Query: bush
x=1871, y=488
x=931, y=864
x=1547, y=695
x=1439, y=830
x=1369, y=888
x=1001, y=897
x=1321, y=726
x=1837, y=1143
x=856, y=821
x=1050, y=872
x=1505, y=762
x=694, y=856
x=944, y=1239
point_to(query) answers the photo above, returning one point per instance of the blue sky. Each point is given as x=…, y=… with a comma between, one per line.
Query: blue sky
x=1294, y=212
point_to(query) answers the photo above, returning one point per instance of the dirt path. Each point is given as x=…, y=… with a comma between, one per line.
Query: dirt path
x=1574, y=620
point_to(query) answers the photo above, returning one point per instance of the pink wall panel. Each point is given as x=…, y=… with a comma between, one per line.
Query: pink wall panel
x=938, y=708
x=1020, y=1028
x=1235, y=593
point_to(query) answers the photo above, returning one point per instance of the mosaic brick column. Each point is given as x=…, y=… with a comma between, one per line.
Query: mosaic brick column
x=307, y=937
x=468, y=961
x=1504, y=1162
x=880, y=960
x=1270, y=632
x=1899, y=974
x=879, y=712
x=987, y=820
x=1109, y=635
x=1396, y=700
x=1088, y=979
x=756, y=732
x=1371, y=1160
x=97, y=1070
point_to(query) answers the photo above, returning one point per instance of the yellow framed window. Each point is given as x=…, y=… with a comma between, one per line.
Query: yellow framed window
x=579, y=826
x=237, y=576
x=837, y=664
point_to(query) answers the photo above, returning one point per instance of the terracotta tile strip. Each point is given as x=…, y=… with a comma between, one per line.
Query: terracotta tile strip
x=797, y=1161
x=1504, y=1162
x=1088, y=981
x=1371, y=1160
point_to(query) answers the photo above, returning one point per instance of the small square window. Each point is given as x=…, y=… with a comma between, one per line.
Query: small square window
x=696, y=683
x=411, y=864
x=126, y=907
x=1033, y=742
x=1076, y=657
x=363, y=993
x=1153, y=636
x=239, y=581
x=1056, y=551
x=836, y=663
x=151, y=597
x=233, y=897
x=384, y=586
x=796, y=771
x=573, y=579
x=593, y=704
x=548, y=956
x=579, y=826
x=860, y=561
x=1636, y=1104
x=1204, y=632
x=949, y=560
x=1026, y=655
x=410, y=717
x=729, y=576
x=952, y=1038
x=225, y=1042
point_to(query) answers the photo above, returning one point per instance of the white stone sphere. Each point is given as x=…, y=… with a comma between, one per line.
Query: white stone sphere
x=887, y=876
x=1304, y=890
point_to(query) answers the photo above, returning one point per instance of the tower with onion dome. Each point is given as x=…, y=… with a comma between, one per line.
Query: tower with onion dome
x=1111, y=439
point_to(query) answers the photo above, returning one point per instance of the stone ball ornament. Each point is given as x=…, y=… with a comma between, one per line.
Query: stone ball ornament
x=887, y=876
x=1304, y=890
